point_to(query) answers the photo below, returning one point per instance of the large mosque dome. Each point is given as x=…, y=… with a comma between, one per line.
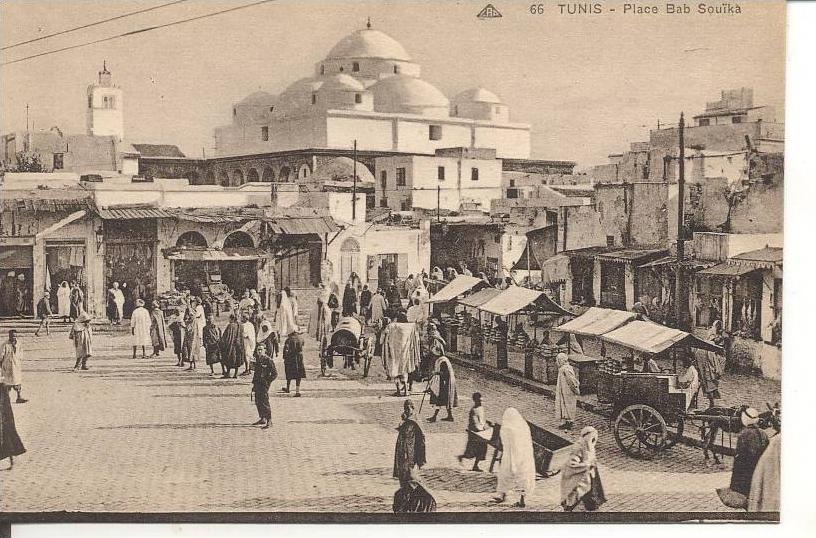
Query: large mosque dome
x=406, y=94
x=368, y=43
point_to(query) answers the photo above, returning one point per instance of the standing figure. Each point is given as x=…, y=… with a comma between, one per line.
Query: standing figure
x=285, y=323
x=517, y=468
x=7, y=294
x=378, y=306
x=410, y=449
x=265, y=374
x=232, y=347
x=689, y=381
x=11, y=366
x=476, y=448
x=401, y=354
x=10, y=443
x=394, y=299
x=751, y=443
x=44, y=314
x=177, y=331
x=412, y=497
x=580, y=479
x=293, y=304
x=293, y=362
x=158, y=329
x=77, y=300
x=334, y=305
x=710, y=365
x=443, y=389
x=321, y=327
x=140, y=328
x=64, y=301
x=189, y=337
x=118, y=298
x=82, y=336
x=764, y=494
x=365, y=303
x=197, y=335
x=566, y=392
x=349, y=300
x=22, y=294
x=250, y=342
x=212, y=339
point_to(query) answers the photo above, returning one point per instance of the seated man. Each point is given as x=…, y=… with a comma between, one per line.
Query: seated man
x=689, y=381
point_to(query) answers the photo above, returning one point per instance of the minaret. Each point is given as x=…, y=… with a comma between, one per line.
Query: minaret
x=105, y=104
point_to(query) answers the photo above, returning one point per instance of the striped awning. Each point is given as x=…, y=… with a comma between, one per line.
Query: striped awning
x=124, y=213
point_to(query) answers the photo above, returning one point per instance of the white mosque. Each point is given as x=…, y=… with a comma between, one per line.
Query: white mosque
x=368, y=88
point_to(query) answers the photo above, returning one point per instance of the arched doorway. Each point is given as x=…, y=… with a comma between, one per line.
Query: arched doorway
x=210, y=178
x=304, y=172
x=252, y=176
x=190, y=274
x=224, y=179
x=283, y=176
x=268, y=175
x=242, y=275
x=350, y=260
x=237, y=177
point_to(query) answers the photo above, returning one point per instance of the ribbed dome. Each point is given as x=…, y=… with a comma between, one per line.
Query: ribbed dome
x=368, y=43
x=342, y=169
x=393, y=94
x=341, y=82
x=477, y=95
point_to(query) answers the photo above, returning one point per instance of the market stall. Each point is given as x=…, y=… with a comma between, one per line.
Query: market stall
x=443, y=303
x=469, y=335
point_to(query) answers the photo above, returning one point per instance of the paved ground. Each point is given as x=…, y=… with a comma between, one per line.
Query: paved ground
x=145, y=436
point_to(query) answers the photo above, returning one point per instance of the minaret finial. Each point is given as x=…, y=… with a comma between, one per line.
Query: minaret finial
x=368, y=23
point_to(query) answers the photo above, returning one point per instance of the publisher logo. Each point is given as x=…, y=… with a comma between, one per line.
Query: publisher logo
x=489, y=12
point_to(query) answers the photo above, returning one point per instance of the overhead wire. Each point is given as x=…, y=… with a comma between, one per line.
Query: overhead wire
x=89, y=25
x=135, y=32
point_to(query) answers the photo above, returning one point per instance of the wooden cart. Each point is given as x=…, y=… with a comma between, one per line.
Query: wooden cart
x=550, y=450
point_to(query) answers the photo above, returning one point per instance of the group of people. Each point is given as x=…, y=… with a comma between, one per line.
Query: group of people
x=14, y=294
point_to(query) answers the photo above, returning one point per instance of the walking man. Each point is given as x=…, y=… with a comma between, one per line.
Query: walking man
x=265, y=374
x=232, y=347
x=249, y=342
x=82, y=337
x=44, y=313
x=566, y=392
x=11, y=365
x=140, y=328
x=293, y=362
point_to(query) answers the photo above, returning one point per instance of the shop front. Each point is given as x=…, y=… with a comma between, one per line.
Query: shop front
x=16, y=268
x=65, y=262
x=130, y=258
x=214, y=272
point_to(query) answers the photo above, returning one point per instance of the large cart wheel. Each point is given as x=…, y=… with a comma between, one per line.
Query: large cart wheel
x=640, y=431
x=368, y=354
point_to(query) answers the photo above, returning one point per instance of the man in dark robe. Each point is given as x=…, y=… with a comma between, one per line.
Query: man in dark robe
x=410, y=449
x=751, y=443
x=412, y=497
x=394, y=299
x=10, y=443
x=349, y=300
x=212, y=340
x=365, y=303
x=293, y=362
x=77, y=300
x=232, y=347
x=264, y=374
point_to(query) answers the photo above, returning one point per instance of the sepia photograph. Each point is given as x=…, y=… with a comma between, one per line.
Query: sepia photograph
x=386, y=262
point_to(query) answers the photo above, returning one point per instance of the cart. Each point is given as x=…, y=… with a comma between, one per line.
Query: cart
x=550, y=451
x=349, y=342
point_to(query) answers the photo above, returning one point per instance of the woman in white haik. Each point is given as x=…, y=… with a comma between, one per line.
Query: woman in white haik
x=64, y=301
x=517, y=469
x=285, y=317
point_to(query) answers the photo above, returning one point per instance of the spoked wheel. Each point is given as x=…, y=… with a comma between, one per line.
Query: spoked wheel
x=640, y=431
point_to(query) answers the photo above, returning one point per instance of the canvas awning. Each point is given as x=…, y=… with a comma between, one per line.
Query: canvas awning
x=726, y=269
x=214, y=255
x=597, y=321
x=516, y=299
x=458, y=286
x=302, y=225
x=651, y=337
x=117, y=213
x=555, y=269
x=479, y=298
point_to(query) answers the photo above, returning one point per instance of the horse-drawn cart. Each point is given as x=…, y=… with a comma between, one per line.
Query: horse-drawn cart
x=349, y=342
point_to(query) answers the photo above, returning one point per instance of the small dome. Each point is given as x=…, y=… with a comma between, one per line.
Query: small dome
x=368, y=43
x=259, y=98
x=341, y=82
x=477, y=95
x=342, y=169
x=396, y=93
x=297, y=95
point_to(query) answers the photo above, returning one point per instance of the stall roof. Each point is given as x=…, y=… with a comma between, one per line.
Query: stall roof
x=213, y=254
x=650, y=337
x=671, y=261
x=597, y=321
x=632, y=255
x=115, y=213
x=459, y=285
x=302, y=225
x=727, y=269
x=515, y=299
x=480, y=297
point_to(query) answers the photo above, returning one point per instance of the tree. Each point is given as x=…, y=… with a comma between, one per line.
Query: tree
x=734, y=194
x=28, y=162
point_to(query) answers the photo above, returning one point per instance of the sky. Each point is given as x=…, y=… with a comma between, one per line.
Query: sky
x=588, y=85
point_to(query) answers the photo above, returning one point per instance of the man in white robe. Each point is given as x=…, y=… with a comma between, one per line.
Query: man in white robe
x=140, y=328
x=249, y=342
x=566, y=392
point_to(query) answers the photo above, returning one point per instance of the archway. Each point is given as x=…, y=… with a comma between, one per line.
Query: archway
x=224, y=179
x=210, y=178
x=237, y=177
x=189, y=274
x=283, y=176
x=350, y=260
x=239, y=276
x=252, y=176
x=191, y=239
x=239, y=239
x=304, y=172
x=268, y=175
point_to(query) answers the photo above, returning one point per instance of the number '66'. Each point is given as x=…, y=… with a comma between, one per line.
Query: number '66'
x=537, y=9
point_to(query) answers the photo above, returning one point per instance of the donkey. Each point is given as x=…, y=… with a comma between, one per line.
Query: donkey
x=728, y=419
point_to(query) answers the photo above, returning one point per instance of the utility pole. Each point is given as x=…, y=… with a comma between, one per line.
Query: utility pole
x=438, y=198
x=529, y=263
x=354, y=184
x=680, y=299
x=27, y=128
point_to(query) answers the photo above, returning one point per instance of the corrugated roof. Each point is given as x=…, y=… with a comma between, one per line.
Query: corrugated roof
x=458, y=286
x=728, y=269
x=159, y=150
x=767, y=254
x=633, y=255
x=301, y=225
x=480, y=297
x=672, y=260
x=597, y=321
x=47, y=200
x=218, y=215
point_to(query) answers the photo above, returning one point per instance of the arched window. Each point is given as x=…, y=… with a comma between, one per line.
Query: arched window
x=239, y=239
x=191, y=239
x=304, y=172
x=268, y=175
x=210, y=178
x=224, y=179
x=237, y=177
x=284, y=174
x=355, y=66
x=252, y=176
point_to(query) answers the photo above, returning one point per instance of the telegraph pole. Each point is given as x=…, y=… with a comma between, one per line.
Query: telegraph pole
x=680, y=298
x=438, y=197
x=354, y=184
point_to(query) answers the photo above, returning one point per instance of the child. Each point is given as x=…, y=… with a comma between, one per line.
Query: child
x=475, y=448
x=177, y=330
